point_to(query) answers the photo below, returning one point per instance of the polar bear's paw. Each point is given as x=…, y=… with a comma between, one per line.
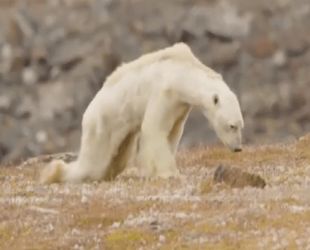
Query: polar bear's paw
x=53, y=172
x=161, y=173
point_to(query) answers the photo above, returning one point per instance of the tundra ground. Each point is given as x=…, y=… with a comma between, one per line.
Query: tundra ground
x=188, y=213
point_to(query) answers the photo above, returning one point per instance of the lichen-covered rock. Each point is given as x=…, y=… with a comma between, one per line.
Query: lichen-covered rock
x=237, y=178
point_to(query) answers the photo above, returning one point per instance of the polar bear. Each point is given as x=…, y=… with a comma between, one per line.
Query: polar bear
x=139, y=115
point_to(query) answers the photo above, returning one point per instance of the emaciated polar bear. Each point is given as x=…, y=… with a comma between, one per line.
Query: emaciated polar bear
x=140, y=112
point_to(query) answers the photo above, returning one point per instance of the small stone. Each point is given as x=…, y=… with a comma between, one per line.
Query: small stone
x=23, y=112
x=84, y=199
x=6, y=52
x=5, y=102
x=75, y=231
x=221, y=19
x=225, y=54
x=55, y=72
x=279, y=58
x=154, y=224
x=262, y=47
x=29, y=76
x=162, y=238
x=116, y=225
x=78, y=247
x=50, y=227
x=41, y=136
x=295, y=46
x=17, y=61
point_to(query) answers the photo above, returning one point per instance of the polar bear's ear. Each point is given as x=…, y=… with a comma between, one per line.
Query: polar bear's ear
x=215, y=99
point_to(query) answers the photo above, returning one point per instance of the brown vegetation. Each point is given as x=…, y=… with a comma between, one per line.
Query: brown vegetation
x=188, y=213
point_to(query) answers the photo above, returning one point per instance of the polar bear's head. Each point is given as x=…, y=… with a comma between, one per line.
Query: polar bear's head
x=225, y=116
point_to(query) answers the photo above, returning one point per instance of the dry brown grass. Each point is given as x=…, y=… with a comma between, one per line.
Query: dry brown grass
x=189, y=213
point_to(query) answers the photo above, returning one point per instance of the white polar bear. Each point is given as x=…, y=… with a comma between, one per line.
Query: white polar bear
x=140, y=112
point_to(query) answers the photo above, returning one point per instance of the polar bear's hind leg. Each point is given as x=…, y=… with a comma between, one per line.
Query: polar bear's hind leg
x=53, y=172
x=98, y=146
x=125, y=153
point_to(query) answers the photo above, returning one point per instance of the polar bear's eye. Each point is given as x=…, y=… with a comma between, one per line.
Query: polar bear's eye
x=215, y=99
x=233, y=127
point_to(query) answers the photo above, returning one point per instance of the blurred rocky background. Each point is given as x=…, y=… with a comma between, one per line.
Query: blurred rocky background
x=55, y=54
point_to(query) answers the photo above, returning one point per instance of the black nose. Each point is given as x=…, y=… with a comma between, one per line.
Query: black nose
x=237, y=149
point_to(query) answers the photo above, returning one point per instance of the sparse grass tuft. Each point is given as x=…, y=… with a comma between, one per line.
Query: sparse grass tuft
x=303, y=149
x=206, y=187
x=94, y=221
x=248, y=157
x=128, y=239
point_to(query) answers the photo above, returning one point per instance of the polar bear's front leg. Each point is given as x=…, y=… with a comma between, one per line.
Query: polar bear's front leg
x=155, y=154
x=177, y=129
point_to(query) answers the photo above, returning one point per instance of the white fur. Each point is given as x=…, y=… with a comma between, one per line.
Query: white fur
x=148, y=101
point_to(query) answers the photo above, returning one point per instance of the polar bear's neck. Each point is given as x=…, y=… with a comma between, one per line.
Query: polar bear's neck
x=179, y=52
x=174, y=68
x=192, y=82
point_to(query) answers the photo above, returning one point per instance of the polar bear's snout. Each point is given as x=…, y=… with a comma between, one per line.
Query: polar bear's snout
x=234, y=144
x=227, y=120
x=237, y=150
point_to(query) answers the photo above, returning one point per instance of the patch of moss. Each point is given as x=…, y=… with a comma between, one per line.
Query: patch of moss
x=86, y=222
x=303, y=149
x=129, y=239
x=206, y=187
x=290, y=201
x=24, y=193
x=13, y=236
x=5, y=234
x=279, y=219
x=209, y=228
x=227, y=244
x=292, y=245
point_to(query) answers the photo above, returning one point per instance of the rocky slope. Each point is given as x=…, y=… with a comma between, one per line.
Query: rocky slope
x=55, y=54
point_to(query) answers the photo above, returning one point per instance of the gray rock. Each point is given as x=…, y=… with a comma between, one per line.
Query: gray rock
x=234, y=177
x=221, y=19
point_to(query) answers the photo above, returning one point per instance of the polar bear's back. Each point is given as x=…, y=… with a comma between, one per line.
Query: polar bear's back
x=179, y=52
